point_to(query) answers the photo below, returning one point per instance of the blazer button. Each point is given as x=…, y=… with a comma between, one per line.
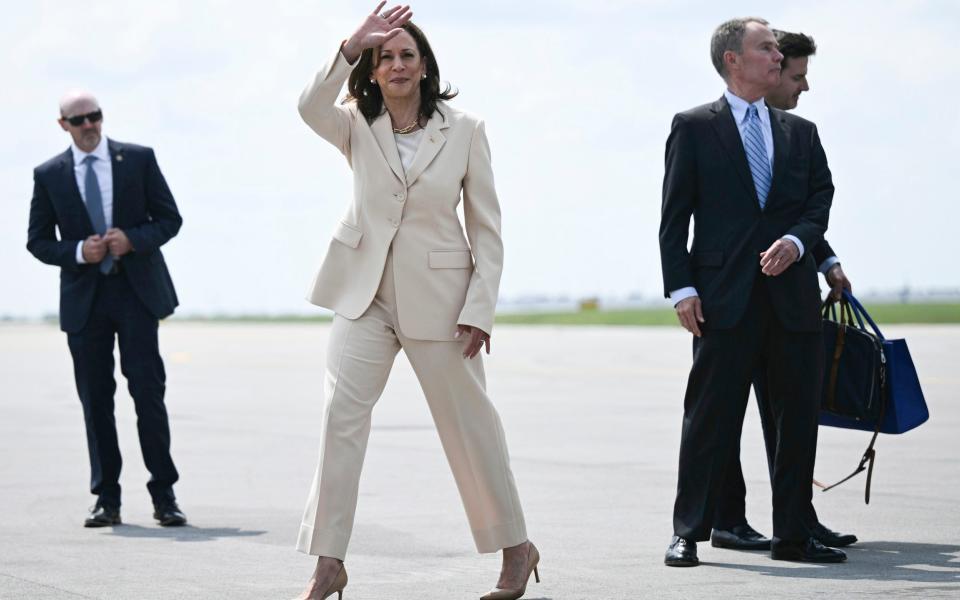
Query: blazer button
x=399, y=196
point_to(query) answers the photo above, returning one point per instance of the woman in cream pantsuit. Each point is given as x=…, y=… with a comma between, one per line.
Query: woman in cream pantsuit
x=400, y=274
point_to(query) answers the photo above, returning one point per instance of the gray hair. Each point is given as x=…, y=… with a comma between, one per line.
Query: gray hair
x=729, y=36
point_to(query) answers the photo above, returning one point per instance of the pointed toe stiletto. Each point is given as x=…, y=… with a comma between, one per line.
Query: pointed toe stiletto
x=533, y=559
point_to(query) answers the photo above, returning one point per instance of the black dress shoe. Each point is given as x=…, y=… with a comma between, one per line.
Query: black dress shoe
x=831, y=538
x=103, y=516
x=740, y=537
x=681, y=553
x=169, y=515
x=809, y=550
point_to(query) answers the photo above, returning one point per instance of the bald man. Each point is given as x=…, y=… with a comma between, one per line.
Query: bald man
x=113, y=210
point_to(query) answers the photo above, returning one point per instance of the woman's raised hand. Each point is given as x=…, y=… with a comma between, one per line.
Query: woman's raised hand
x=376, y=30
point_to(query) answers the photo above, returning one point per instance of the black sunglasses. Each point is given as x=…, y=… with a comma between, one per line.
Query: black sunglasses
x=94, y=117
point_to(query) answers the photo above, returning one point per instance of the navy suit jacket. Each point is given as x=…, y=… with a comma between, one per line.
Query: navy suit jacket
x=708, y=178
x=143, y=208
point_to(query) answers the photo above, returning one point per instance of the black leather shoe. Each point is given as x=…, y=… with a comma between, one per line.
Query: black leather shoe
x=681, y=553
x=809, y=550
x=169, y=515
x=740, y=537
x=831, y=538
x=103, y=516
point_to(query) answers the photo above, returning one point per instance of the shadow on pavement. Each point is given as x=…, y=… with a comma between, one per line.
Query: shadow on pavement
x=187, y=533
x=874, y=561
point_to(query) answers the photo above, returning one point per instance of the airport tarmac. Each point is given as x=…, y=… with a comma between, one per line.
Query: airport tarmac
x=592, y=416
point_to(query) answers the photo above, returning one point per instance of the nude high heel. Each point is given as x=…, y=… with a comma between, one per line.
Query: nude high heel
x=336, y=587
x=533, y=559
x=339, y=582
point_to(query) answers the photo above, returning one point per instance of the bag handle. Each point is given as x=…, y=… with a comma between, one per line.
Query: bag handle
x=859, y=310
x=828, y=311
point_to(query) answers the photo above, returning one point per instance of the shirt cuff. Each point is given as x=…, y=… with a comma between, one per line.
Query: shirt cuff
x=80, y=260
x=797, y=242
x=826, y=264
x=676, y=296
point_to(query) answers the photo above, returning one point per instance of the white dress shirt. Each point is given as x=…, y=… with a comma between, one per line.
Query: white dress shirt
x=738, y=107
x=104, y=172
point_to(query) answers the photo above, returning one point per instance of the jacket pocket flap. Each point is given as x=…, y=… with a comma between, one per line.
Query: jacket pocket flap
x=347, y=234
x=708, y=259
x=450, y=259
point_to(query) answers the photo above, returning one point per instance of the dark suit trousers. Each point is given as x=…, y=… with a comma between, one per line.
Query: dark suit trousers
x=717, y=392
x=732, y=507
x=118, y=312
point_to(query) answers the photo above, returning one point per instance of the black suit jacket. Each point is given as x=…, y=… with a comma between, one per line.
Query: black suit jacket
x=708, y=177
x=822, y=252
x=143, y=208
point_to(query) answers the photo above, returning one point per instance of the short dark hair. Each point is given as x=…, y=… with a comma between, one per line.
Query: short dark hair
x=794, y=45
x=729, y=36
x=368, y=96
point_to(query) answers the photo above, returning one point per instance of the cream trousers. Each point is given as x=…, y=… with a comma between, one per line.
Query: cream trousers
x=359, y=357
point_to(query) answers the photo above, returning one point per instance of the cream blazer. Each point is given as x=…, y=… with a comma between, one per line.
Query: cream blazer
x=441, y=279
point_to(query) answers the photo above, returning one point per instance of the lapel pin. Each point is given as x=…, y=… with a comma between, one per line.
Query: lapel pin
x=119, y=158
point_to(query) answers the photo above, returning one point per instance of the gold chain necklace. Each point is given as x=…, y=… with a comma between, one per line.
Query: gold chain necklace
x=408, y=128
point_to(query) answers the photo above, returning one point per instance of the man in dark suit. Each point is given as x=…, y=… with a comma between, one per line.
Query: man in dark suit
x=756, y=182
x=730, y=527
x=113, y=210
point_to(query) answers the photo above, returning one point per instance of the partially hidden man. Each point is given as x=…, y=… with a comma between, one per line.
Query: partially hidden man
x=755, y=181
x=113, y=210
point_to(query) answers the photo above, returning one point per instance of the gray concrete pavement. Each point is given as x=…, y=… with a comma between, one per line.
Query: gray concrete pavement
x=592, y=417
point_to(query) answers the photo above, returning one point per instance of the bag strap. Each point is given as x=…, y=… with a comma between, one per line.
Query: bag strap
x=866, y=464
x=845, y=321
x=866, y=461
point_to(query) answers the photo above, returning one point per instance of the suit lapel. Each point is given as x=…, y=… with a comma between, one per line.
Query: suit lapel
x=726, y=128
x=430, y=145
x=781, y=148
x=383, y=132
x=119, y=177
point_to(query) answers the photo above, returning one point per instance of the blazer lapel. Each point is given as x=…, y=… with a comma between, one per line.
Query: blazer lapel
x=383, y=132
x=781, y=148
x=430, y=145
x=726, y=129
x=119, y=176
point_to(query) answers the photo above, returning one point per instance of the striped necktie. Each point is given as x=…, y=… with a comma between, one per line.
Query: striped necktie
x=94, y=201
x=757, y=155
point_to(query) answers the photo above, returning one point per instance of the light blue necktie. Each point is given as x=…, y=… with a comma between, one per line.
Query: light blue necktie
x=91, y=188
x=757, y=155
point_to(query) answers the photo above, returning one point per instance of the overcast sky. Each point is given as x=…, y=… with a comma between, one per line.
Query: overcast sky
x=578, y=99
